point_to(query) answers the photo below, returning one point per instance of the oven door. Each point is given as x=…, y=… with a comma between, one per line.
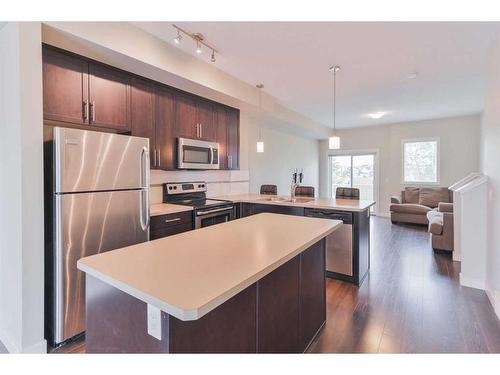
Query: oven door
x=196, y=154
x=205, y=218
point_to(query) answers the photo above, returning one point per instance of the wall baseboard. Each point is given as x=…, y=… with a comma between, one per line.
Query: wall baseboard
x=8, y=343
x=37, y=348
x=494, y=298
x=472, y=283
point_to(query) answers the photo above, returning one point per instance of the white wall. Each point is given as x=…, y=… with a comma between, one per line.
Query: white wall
x=21, y=189
x=283, y=152
x=459, y=151
x=490, y=162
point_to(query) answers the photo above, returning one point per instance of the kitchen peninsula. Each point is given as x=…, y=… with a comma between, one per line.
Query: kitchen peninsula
x=250, y=285
x=347, y=250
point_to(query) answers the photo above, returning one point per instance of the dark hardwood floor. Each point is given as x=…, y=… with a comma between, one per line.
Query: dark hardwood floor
x=410, y=303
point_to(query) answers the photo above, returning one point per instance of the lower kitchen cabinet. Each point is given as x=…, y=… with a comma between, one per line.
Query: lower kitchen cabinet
x=168, y=225
x=248, y=209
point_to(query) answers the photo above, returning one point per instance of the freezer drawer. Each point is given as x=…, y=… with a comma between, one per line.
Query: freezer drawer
x=95, y=161
x=87, y=224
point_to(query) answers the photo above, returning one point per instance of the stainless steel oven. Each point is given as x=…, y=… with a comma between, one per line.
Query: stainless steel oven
x=205, y=217
x=196, y=154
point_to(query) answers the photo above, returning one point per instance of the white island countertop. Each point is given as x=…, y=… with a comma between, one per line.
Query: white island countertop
x=319, y=203
x=189, y=274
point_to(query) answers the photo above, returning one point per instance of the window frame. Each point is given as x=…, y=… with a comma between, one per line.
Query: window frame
x=438, y=162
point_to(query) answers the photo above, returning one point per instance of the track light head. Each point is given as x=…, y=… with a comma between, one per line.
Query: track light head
x=212, y=57
x=178, y=38
x=198, y=48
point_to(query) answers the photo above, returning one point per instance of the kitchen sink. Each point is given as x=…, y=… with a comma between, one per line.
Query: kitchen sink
x=287, y=200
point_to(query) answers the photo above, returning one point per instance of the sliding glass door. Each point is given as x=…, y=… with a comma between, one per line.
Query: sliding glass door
x=353, y=170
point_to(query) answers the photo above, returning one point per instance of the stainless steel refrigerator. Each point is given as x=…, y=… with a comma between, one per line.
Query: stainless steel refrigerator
x=98, y=200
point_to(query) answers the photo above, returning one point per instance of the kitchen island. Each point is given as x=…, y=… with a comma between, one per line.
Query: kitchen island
x=245, y=286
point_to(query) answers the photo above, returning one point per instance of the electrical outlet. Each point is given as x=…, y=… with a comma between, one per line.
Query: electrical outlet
x=154, y=322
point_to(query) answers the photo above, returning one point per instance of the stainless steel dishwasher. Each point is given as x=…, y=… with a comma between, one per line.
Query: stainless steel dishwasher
x=339, y=257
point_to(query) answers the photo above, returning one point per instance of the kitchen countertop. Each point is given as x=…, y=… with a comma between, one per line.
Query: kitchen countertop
x=189, y=274
x=167, y=208
x=324, y=203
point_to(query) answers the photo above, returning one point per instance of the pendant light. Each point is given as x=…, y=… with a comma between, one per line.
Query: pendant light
x=334, y=140
x=260, y=142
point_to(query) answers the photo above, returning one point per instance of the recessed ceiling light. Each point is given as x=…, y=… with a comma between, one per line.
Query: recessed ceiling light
x=377, y=115
x=412, y=75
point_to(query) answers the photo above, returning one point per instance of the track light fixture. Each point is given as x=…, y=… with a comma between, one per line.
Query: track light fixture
x=178, y=38
x=198, y=38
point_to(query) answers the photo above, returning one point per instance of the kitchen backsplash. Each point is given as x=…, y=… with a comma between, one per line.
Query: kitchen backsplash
x=218, y=182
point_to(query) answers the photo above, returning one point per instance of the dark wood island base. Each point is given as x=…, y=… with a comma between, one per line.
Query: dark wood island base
x=280, y=313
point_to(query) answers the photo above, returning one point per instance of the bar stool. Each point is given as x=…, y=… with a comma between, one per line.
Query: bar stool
x=269, y=189
x=347, y=193
x=304, y=191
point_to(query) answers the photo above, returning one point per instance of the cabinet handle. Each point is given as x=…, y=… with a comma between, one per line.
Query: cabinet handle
x=201, y=130
x=230, y=161
x=85, y=110
x=197, y=130
x=92, y=111
x=154, y=158
x=172, y=220
x=159, y=159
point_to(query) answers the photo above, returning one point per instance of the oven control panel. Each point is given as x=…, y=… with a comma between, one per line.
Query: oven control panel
x=184, y=187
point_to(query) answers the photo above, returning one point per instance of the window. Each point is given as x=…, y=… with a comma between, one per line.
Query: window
x=421, y=161
x=355, y=171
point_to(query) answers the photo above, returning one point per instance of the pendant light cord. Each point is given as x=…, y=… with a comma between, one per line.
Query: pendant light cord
x=334, y=97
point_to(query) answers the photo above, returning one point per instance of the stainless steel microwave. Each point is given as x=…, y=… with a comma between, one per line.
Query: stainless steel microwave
x=196, y=154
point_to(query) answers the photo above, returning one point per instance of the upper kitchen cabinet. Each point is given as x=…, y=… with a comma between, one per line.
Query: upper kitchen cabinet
x=142, y=113
x=233, y=138
x=186, y=117
x=194, y=118
x=221, y=124
x=207, y=126
x=109, y=96
x=81, y=92
x=65, y=87
x=164, y=129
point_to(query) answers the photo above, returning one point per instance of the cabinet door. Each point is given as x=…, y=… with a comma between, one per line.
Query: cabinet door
x=233, y=139
x=278, y=313
x=312, y=292
x=208, y=129
x=65, y=87
x=109, y=92
x=186, y=117
x=142, y=113
x=221, y=127
x=165, y=137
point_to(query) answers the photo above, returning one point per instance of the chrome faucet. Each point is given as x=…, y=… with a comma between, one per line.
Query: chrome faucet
x=294, y=186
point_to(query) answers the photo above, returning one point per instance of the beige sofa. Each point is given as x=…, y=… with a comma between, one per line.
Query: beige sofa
x=441, y=227
x=414, y=204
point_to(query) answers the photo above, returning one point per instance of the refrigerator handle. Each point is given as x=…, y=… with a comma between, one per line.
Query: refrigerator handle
x=145, y=184
x=145, y=167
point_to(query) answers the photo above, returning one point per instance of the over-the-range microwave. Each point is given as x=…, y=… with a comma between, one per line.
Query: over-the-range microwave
x=196, y=154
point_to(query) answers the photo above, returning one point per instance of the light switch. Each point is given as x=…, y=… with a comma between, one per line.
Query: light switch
x=154, y=322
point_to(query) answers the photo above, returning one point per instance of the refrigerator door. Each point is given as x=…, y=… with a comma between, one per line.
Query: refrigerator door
x=87, y=224
x=95, y=161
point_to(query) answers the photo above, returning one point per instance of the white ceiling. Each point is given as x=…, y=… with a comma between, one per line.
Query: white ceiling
x=292, y=58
